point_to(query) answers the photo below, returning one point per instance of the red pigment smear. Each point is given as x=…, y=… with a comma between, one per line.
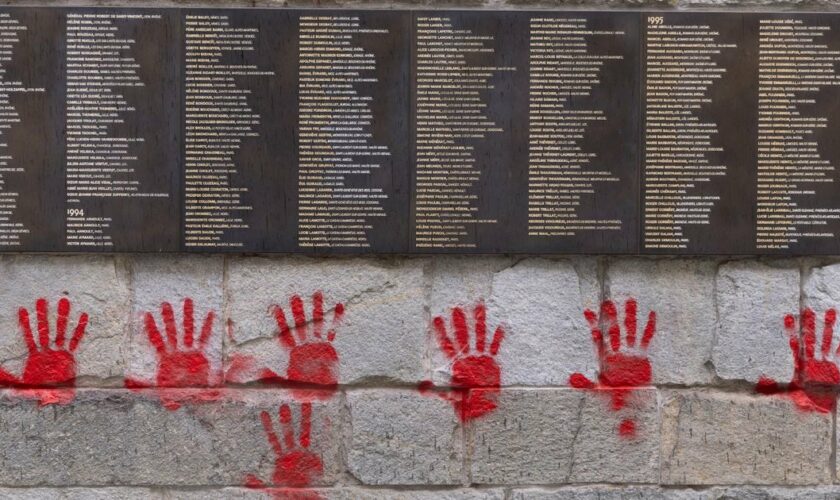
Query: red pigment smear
x=312, y=372
x=476, y=377
x=254, y=483
x=627, y=429
x=619, y=373
x=815, y=382
x=7, y=379
x=173, y=399
x=49, y=364
x=295, y=466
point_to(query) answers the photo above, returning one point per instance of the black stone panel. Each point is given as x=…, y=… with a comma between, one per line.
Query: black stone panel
x=699, y=115
x=525, y=132
x=304, y=142
x=122, y=140
x=32, y=132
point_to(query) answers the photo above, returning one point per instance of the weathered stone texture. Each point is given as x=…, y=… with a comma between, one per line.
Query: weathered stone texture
x=540, y=302
x=724, y=438
x=565, y=436
x=752, y=299
x=119, y=437
x=403, y=438
x=159, y=279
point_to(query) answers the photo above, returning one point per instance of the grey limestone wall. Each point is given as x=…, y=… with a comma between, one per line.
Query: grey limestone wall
x=370, y=398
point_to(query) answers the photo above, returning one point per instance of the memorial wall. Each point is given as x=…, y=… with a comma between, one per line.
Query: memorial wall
x=387, y=131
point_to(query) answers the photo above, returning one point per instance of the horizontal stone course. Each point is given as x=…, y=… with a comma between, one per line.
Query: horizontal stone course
x=545, y=436
x=713, y=438
x=400, y=437
x=121, y=437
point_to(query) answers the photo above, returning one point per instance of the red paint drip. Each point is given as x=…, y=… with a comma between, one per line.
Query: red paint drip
x=627, y=429
x=476, y=377
x=620, y=373
x=255, y=483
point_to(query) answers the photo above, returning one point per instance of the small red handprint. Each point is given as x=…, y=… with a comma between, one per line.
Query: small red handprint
x=619, y=371
x=313, y=361
x=476, y=377
x=815, y=381
x=295, y=466
x=46, y=365
x=180, y=366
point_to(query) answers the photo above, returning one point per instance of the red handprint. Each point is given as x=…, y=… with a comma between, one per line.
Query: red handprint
x=313, y=361
x=476, y=377
x=183, y=366
x=48, y=366
x=295, y=466
x=815, y=381
x=619, y=372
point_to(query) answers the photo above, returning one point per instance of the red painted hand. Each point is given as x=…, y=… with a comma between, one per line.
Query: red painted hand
x=49, y=372
x=476, y=377
x=294, y=466
x=620, y=371
x=815, y=381
x=185, y=366
x=313, y=361
x=47, y=366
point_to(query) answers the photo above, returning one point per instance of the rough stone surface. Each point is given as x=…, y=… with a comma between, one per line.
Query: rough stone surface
x=752, y=300
x=461, y=281
x=656, y=493
x=605, y=493
x=759, y=493
x=97, y=285
x=79, y=494
x=565, y=436
x=821, y=288
x=354, y=493
x=159, y=279
x=119, y=437
x=403, y=438
x=681, y=292
x=540, y=303
x=723, y=438
x=384, y=327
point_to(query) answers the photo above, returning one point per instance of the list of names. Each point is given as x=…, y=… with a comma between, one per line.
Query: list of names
x=682, y=151
x=337, y=150
x=796, y=65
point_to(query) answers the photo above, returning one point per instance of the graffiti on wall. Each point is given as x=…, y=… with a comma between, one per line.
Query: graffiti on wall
x=49, y=372
x=312, y=368
x=476, y=376
x=181, y=363
x=623, y=362
x=816, y=378
x=464, y=339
